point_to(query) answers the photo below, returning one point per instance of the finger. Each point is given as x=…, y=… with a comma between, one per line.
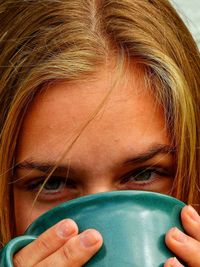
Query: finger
x=191, y=222
x=76, y=252
x=184, y=246
x=46, y=244
x=173, y=262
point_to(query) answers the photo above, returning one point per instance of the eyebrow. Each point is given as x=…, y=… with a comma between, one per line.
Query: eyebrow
x=47, y=167
x=151, y=153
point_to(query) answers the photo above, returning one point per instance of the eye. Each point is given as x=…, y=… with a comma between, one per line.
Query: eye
x=144, y=176
x=54, y=184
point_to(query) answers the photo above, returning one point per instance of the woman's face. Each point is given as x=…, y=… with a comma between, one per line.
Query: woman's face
x=125, y=147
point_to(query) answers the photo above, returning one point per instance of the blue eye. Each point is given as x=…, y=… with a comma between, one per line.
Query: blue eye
x=52, y=185
x=142, y=176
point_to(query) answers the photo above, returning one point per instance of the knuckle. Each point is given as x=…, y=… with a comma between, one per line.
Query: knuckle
x=70, y=256
x=43, y=244
x=18, y=260
x=67, y=253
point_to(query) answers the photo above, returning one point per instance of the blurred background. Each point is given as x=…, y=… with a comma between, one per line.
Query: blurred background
x=190, y=13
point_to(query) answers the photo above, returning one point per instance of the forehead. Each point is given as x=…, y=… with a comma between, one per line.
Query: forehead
x=127, y=119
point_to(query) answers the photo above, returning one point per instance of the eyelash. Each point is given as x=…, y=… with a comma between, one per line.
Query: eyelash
x=156, y=172
x=64, y=182
x=36, y=184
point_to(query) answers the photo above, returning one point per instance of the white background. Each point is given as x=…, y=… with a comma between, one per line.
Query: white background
x=190, y=12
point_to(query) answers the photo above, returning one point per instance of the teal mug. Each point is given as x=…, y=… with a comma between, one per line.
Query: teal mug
x=133, y=225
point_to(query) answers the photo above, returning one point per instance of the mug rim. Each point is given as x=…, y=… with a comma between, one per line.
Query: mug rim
x=103, y=196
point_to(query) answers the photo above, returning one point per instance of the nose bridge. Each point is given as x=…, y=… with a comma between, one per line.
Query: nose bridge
x=99, y=186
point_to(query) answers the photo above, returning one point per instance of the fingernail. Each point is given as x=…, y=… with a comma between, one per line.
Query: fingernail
x=65, y=228
x=193, y=214
x=175, y=263
x=89, y=238
x=178, y=235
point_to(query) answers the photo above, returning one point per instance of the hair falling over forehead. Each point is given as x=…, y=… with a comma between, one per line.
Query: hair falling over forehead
x=46, y=41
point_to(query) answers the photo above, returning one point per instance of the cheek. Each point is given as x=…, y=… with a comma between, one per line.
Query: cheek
x=26, y=211
x=25, y=214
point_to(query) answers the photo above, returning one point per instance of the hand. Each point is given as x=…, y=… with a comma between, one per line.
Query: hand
x=60, y=246
x=185, y=246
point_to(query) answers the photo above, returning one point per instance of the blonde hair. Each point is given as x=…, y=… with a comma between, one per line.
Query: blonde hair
x=51, y=40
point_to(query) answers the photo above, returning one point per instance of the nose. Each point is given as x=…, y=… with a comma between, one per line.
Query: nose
x=94, y=189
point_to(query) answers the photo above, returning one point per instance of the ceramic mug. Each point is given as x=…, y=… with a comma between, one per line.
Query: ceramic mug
x=133, y=225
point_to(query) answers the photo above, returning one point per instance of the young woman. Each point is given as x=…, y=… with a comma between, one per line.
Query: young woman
x=95, y=96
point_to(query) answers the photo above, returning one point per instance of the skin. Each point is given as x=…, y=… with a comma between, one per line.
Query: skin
x=100, y=160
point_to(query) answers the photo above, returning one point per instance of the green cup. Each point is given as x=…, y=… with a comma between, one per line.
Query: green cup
x=133, y=225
